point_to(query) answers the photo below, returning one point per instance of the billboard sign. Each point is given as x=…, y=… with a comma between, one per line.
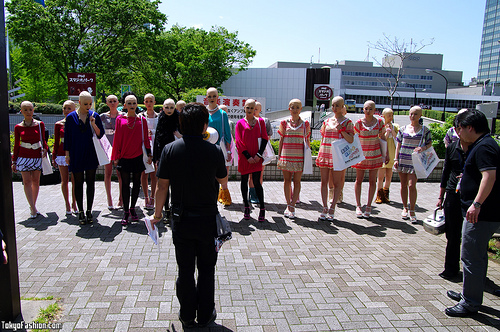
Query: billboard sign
x=78, y=82
x=235, y=105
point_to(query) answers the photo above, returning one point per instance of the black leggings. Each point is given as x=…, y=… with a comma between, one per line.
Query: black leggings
x=258, y=188
x=90, y=181
x=136, y=187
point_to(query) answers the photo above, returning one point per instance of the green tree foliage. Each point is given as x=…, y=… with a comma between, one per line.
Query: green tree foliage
x=84, y=35
x=183, y=58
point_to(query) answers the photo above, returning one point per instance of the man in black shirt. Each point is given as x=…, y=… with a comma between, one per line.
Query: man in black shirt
x=453, y=166
x=480, y=193
x=193, y=168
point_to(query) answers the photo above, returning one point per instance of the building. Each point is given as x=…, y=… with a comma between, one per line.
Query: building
x=422, y=82
x=489, y=55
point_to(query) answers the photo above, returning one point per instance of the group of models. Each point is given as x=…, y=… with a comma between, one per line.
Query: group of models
x=134, y=135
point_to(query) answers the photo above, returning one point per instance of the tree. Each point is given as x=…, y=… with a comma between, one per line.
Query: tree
x=84, y=35
x=183, y=58
x=396, y=52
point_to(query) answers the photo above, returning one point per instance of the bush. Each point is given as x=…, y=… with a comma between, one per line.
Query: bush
x=48, y=108
x=314, y=146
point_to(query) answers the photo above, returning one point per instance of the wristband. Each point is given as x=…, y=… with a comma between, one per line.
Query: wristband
x=157, y=218
x=259, y=155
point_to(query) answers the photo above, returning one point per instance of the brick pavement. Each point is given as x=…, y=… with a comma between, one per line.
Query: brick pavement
x=282, y=275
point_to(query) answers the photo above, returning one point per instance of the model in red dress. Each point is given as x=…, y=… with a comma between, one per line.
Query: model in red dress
x=248, y=131
x=29, y=146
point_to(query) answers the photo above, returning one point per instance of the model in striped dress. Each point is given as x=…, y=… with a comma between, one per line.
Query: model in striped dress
x=413, y=137
x=369, y=129
x=293, y=132
x=334, y=128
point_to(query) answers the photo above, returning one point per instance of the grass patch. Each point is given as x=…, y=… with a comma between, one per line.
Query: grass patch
x=37, y=298
x=494, y=249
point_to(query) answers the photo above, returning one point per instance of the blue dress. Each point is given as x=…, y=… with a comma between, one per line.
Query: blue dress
x=216, y=121
x=78, y=141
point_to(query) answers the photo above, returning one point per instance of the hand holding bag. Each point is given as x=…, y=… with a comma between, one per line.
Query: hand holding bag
x=102, y=156
x=345, y=154
x=308, y=166
x=268, y=155
x=424, y=162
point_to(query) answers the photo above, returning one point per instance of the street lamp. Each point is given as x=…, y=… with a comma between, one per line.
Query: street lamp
x=414, y=90
x=445, y=91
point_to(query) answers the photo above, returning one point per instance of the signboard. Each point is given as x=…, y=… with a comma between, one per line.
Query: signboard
x=18, y=96
x=323, y=92
x=235, y=105
x=125, y=88
x=489, y=109
x=78, y=82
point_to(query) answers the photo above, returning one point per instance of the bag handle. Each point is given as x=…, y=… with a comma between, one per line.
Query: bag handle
x=41, y=140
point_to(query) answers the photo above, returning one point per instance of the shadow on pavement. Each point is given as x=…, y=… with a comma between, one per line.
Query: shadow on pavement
x=41, y=222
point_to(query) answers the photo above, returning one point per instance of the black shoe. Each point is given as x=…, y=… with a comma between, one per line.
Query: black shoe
x=449, y=276
x=210, y=320
x=454, y=295
x=81, y=218
x=187, y=324
x=89, y=217
x=459, y=311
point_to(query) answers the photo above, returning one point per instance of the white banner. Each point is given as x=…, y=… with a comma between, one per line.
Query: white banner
x=235, y=105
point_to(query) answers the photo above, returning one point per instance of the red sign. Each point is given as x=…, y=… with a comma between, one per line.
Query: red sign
x=78, y=82
x=323, y=92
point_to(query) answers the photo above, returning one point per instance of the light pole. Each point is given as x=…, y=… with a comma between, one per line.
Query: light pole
x=445, y=91
x=414, y=90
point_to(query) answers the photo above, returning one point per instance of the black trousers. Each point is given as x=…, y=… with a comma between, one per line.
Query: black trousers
x=453, y=230
x=193, y=238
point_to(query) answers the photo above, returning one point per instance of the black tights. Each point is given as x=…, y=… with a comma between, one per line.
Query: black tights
x=258, y=188
x=90, y=181
x=136, y=187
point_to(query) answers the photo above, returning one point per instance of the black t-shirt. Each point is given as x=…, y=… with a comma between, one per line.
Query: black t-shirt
x=482, y=156
x=453, y=166
x=192, y=165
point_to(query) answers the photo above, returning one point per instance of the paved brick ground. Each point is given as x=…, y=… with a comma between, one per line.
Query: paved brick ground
x=282, y=275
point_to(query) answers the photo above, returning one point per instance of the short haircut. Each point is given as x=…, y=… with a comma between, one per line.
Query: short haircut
x=128, y=93
x=212, y=89
x=168, y=101
x=130, y=97
x=370, y=102
x=250, y=101
x=387, y=111
x=181, y=102
x=455, y=119
x=416, y=108
x=193, y=119
x=84, y=94
x=69, y=102
x=339, y=98
x=26, y=103
x=149, y=96
x=476, y=119
x=111, y=96
x=294, y=101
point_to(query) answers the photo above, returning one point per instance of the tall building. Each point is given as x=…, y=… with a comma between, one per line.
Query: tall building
x=489, y=60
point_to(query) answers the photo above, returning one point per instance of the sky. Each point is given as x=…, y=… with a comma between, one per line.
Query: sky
x=330, y=30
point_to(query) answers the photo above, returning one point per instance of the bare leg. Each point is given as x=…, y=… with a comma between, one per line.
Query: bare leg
x=153, y=183
x=360, y=175
x=412, y=186
x=404, y=188
x=325, y=180
x=388, y=178
x=28, y=191
x=108, y=170
x=372, y=178
x=35, y=185
x=287, y=182
x=63, y=170
x=338, y=185
x=380, y=180
x=296, y=187
x=144, y=184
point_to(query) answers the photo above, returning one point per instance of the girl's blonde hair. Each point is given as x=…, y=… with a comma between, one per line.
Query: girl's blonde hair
x=294, y=101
